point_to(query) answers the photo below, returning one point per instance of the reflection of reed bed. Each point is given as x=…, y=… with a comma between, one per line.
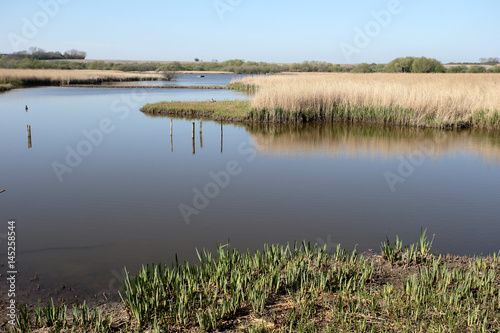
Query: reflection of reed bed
x=67, y=77
x=437, y=100
x=375, y=140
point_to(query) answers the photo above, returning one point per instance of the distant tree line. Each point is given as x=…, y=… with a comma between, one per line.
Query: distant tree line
x=36, y=58
x=40, y=54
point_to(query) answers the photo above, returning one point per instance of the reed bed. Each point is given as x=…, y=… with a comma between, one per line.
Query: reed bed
x=301, y=289
x=67, y=77
x=436, y=100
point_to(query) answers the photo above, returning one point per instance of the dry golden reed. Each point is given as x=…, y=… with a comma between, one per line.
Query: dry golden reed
x=412, y=99
x=66, y=76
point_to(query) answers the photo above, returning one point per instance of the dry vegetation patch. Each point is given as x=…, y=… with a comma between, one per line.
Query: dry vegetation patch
x=63, y=77
x=439, y=100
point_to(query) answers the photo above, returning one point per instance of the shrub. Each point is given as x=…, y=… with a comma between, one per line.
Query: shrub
x=477, y=69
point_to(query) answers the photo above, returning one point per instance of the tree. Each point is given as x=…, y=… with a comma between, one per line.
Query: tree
x=196, y=59
x=426, y=65
x=75, y=54
x=36, y=52
x=169, y=75
x=399, y=65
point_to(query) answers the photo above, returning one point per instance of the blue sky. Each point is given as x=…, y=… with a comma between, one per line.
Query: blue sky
x=257, y=30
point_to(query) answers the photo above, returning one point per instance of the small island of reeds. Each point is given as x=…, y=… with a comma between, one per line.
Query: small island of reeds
x=422, y=100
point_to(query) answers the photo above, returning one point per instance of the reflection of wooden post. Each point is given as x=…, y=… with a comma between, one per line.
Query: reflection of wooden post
x=29, y=136
x=170, y=127
x=171, y=144
x=201, y=133
x=221, y=136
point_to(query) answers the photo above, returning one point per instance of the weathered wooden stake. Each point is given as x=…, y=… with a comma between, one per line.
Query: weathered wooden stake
x=170, y=127
x=29, y=136
x=221, y=137
x=192, y=131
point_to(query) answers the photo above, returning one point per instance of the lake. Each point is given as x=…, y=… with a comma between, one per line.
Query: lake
x=105, y=186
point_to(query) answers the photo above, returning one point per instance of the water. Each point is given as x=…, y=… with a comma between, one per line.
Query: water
x=190, y=80
x=103, y=186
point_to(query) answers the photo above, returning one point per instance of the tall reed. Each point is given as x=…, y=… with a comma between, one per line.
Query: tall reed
x=67, y=77
x=437, y=100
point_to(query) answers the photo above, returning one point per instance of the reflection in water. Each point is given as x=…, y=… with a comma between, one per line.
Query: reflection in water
x=201, y=133
x=354, y=140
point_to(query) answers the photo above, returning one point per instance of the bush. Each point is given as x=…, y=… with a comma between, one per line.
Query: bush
x=494, y=69
x=426, y=65
x=477, y=69
x=399, y=65
x=458, y=69
x=362, y=68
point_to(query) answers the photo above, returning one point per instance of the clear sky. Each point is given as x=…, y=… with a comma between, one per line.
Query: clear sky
x=273, y=31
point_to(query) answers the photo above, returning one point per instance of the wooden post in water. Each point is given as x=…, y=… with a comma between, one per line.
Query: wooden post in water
x=170, y=127
x=29, y=135
x=192, y=136
x=221, y=137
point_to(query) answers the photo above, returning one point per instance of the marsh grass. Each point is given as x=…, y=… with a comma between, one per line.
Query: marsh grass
x=300, y=289
x=66, y=77
x=430, y=100
x=234, y=110
x=5, y=86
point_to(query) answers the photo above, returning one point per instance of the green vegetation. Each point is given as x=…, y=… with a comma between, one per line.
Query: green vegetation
x=5, y=86
x=242, y=111
x=37, y=59
x=299, y=289
x=228, y=110
x=414, y=65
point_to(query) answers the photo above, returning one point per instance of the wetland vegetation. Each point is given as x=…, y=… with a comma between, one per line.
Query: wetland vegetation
x=422, y=100
x=297, y=289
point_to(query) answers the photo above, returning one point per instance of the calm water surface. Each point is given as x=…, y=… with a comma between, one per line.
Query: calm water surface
x=104, y=186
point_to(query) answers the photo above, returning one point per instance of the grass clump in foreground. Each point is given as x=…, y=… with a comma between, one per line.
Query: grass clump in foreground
x=304, y=289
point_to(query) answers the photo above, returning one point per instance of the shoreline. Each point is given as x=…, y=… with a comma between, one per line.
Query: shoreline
x=400, y=289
